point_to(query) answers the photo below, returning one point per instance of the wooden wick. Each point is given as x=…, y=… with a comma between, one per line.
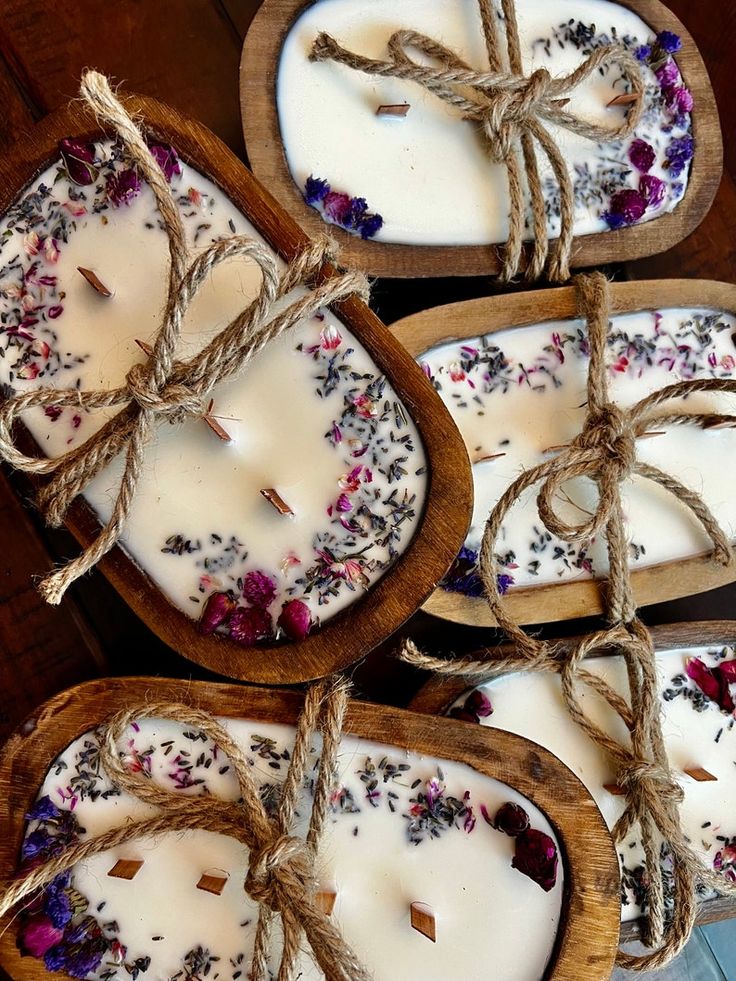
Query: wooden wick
x=614, y=789
x=212, y=883
x=624, y=99
x=422, y=919
x=276, y=500
x=393, y=109
x=699, y=774
x=215, y=426
x=125, y=868
x=94, y=281
x=325, y=900
x=477, y=458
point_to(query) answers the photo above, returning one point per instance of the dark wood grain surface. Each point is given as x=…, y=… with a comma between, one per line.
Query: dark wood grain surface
x=187, y=53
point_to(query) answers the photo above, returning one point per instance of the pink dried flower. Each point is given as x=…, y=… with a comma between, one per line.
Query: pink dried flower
x=37, y=935
x=75, y=209
x=295, y=619
x=40, y=349
x=32, y=244
x=456, y=371
x=195, y=196
x=250, y=624
x=536, y=856
x=330, y=337
x=50, y=250
x=512, y=819
x=642, y=155
x=713, y=682
x=52, y=412
x=668, y=74
x=350, y=482
x=365, y=407
x=166, y=157
x=344, y=504
x=259, y=589
x=729, y=363
x=336, y=206
x=123, y=187
x=653, y=190
x=29, y=371
x=216, y=611
x=479, y=703
x=78, y=156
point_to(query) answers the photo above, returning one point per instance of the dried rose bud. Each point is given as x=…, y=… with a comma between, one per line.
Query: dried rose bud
x=259, y=589
x=216, y=610
x=79, y=157
x=295, y=619
x=479, y=704
x=536, y=856
x=512, y=819
x=463, y=715
x=249, y=624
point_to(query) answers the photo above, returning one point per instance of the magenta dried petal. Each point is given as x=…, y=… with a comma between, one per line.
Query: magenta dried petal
x=653, y=190
x=479, y=704
x=535, y=855
x=259, y=589
x=668, y=74
x=629, y=205
x=250, y=624
x=336, y=206
x=512, y=819
x=123, y=187
x=166, y=157
x=295, y=619
x=642, y=155
x=702, y=676
x=79, y=159
x=38, y=935
x=728, y=670
x=216, y=610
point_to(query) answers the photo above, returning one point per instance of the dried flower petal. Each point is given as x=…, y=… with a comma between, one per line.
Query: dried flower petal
x=535, y=855
x=642, y=155
x=370, y=225
x=166, y=157
x=336, y=206
x=122, y=187
x=217, y=609
x=250, y=624
x=479, y=703
x=679, y=152
x=315, y=190
x=668, y=74
x=669, y=42
x=512, y=819
x=713, y=683
x=38, y=935
x=45, y=810
x=259, y=589
x=652, y=190
x=295, y=619
x=627, y=207
x=79, y=158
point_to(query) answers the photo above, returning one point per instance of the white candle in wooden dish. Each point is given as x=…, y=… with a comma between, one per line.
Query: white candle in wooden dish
x=381, y=853
x=518, y=394
x=699, y=734
x=426, y=172
x=307, y=480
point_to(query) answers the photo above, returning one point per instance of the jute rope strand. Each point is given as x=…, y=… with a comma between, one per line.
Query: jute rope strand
x=163, y=388
x=281, y=874
x=511, y=109
x=605, y=452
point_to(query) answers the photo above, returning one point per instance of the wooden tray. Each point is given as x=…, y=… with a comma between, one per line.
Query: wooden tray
x=439, y=694
x=588, y=931
x=258, y=74
x=352, y=633
x=567, y=600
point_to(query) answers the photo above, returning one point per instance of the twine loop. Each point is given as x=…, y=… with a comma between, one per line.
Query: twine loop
x=285, y=864
x=164, y=388
x=512, y=110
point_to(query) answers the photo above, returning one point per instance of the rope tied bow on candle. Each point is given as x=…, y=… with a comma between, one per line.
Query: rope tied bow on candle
x=281, y=874
x=164, y=388
x=511, y=109
x=605, y=452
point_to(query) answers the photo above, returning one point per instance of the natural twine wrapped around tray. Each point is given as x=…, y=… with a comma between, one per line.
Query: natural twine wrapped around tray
x=605, y=452
x=281, y=868
x=164, y=389
x=512, y=110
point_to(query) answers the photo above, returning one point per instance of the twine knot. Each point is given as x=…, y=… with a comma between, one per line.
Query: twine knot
x=609, y=432
x=639, y=777
x=165, y=388
x=512, y=110
x=284, y=866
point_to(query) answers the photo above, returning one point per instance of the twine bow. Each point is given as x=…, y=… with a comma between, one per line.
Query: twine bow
x=164, y=388
x=511, y=109
x=605, y=452
x=281, y=874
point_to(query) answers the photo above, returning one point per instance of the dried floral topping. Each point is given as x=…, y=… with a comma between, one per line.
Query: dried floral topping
x=626, y=207
x=512, y=819
x=476, y=706
x=535, y=855
x=217, y=610
x=679, y=153
x=79, y=159
x=295, y=620
x=713, y=682
x=669, y=42
x=122, y=187
x=642, y=155
x=259, y=589
x=339, y=208
x=166, y=157
x=248, y=625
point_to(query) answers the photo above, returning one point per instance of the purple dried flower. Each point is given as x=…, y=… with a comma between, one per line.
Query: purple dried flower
x=37, y=936
x=642, y=155
x=613, y=220
x=370, y=225
x=356, y=212
x=463, y=576
x=315, y=190
x=123, y=187
x=58, y=907
x=713, y=682
x=79, y=157
x=336, y=206
x=503, y=581
x=643, y=52
x=536, y=856
x=43, y=810
x=250, y=624
x=653, y=190
x=259, y=589
x=38, y=842
x=627, y=206
x=217, y=609
x=295, y=619
x=668, y=74
x=166, y=157
x=512, y=819
x=679, y=152
x=680, y=99
x=669, y=42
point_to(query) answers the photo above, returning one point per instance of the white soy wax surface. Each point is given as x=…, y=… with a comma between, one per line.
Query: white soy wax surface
x=696, y=734
x=310, y=409
x=522, y=391
x=428, y=174
x=481, y=904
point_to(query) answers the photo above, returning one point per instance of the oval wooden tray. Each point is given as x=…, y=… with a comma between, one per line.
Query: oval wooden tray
x=567, y=600
x=258, y=76
x=440, y=693
x=588, y=931
x=352, y=633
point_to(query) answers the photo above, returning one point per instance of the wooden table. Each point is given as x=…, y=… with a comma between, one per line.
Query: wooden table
x=186, y=52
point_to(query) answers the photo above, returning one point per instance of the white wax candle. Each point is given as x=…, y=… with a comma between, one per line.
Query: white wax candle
x=375, y=855
x=697, y=733
x=428, y=173
x=312, y=417
x=522, y=391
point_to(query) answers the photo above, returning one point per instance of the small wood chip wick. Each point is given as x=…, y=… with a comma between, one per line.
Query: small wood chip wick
x=485, y=457
x=422, y=919
x=215, y=426
x=125, y=868
x=699, y=774
x=325, y=901
x=94, y=281
x=624, y=99
x=276, y=500
x=393, y=109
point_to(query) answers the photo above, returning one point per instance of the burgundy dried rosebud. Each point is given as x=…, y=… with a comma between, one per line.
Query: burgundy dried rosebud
x=259, y=589
x=295, y=619
x=536, y=856
x=512, y=819
x=479, y=704
x=166, y=157
x=462, y=715
x=216, y=610
x=37, y=935
x=79, y=158
x=249, y=624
